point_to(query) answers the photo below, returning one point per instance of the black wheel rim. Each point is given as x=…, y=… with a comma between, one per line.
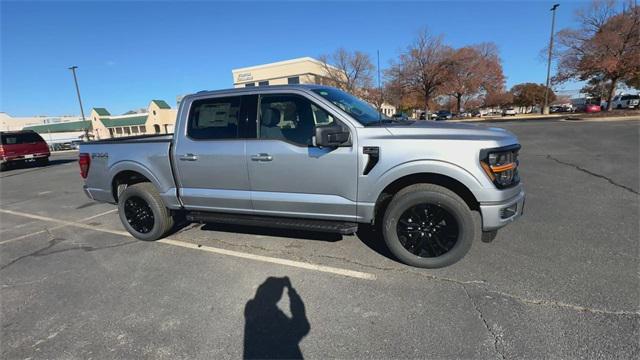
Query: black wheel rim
x=427, y=230
x=138, y=214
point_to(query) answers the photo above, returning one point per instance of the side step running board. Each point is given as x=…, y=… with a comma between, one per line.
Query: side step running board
x=344, y=228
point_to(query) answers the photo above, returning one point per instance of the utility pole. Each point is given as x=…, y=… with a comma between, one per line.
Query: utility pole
x=545, y=107
x=379, y=84
x=75, y=80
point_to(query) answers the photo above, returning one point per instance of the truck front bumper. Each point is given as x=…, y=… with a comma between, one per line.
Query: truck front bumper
x=497, y=215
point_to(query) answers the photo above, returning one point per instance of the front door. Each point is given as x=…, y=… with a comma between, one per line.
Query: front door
x=291, y=177
x=211, y=159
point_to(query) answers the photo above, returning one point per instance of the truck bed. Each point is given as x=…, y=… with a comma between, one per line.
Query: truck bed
x=147, y=155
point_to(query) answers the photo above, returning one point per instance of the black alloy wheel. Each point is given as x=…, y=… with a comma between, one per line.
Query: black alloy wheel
x=427, y=230
x=139, y=214
x=428, y=226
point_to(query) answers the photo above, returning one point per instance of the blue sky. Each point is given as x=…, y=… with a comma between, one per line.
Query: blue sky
x=131, y=52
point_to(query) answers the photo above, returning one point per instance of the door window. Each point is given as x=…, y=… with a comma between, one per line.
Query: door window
x=214, y=118
x=290, y=118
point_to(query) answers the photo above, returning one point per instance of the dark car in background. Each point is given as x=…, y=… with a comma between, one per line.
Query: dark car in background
x=22, y=146
x=444, y=115
x=400, y=116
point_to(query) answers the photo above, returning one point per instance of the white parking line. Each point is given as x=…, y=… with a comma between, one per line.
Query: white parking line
x=167, y=241
x=54, y=228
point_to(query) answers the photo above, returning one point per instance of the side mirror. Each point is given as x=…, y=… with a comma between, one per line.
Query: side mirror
x=331, y=136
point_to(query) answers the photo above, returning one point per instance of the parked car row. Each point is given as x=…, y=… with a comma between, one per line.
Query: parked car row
x=587, y=105
x=69, y=145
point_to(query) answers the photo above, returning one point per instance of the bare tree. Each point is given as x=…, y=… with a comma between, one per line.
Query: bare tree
x=349, y=71
x=605, y=46
x=424, y=66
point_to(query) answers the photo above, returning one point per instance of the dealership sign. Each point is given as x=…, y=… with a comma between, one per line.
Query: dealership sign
x=245, y=77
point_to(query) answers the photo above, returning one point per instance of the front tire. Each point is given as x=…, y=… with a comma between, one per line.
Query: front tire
x=143, y=213
x=428, y=226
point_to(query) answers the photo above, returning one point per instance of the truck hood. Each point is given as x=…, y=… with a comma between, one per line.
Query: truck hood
x=442, y=130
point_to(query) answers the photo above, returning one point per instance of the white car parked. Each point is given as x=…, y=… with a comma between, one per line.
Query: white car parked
x=509, y=112
x=626, y=101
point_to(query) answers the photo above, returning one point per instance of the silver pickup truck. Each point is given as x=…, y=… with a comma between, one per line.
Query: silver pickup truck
x=315, y=158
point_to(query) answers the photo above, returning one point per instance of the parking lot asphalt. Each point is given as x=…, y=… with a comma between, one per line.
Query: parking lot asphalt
x=562, y=282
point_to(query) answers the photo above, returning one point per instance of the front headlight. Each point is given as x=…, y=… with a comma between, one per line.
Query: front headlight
x=501, y=165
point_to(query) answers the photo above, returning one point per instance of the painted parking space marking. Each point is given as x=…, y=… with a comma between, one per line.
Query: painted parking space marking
x=210, y=249
x=55, y=227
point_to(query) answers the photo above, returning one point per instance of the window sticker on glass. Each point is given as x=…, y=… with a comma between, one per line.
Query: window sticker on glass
x=214, y=115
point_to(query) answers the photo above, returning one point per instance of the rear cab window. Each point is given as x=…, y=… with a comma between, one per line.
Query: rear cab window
x=221, y=118
x=21, y=138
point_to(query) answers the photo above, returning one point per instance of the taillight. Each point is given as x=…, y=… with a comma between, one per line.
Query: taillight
x=84, y=160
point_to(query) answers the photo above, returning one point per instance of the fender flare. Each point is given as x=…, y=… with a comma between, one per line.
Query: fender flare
x=426, y=166
x=129, y=165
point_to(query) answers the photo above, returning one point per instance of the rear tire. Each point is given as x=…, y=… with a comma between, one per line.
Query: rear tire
x=428, y=226
x=143, y=213
x=42, y=161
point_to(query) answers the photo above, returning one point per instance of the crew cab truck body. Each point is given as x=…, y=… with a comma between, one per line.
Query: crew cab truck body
x=312, y=157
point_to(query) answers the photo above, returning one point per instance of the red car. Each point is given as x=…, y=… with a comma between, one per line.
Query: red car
x=592, y=108
x=22, y=146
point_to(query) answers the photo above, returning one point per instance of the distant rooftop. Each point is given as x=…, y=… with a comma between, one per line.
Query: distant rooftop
x=102, y=111
x=279, y=63
x=161, y=104
x=124, y=121
x=60, y=127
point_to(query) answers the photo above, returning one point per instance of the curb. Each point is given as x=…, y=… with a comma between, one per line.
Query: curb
x=552, y=117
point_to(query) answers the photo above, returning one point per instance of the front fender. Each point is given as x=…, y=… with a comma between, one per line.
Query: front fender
x=424, y=166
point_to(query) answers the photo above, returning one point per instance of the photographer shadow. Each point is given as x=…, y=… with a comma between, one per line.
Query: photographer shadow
x=268, y=332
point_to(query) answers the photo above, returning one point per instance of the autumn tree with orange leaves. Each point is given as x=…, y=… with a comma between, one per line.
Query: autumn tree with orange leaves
x=423, y=68
x=606, y=46
x=475, y=70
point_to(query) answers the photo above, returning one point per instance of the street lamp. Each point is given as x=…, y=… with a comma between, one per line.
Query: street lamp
x=75, y=80
x=545, y=107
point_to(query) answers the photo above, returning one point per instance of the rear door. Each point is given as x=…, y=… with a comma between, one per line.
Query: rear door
x=210, y=157
x=289, y=175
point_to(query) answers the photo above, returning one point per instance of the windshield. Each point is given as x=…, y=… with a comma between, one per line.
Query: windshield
x=358, y=109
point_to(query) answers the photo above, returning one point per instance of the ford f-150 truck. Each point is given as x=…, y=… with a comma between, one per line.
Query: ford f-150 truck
x=316, y=158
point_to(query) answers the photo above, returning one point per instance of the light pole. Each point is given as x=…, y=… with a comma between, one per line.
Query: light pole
x=545, y=107
x=75, y=80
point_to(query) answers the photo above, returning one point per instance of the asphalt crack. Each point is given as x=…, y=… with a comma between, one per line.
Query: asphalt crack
x=579, y=168
x=483, y=285
x=560, y=304
x=53, y=242
x=497, y=339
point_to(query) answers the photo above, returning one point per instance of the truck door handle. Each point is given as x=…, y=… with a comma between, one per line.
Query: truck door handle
x=261, y=157
x=189, y=157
